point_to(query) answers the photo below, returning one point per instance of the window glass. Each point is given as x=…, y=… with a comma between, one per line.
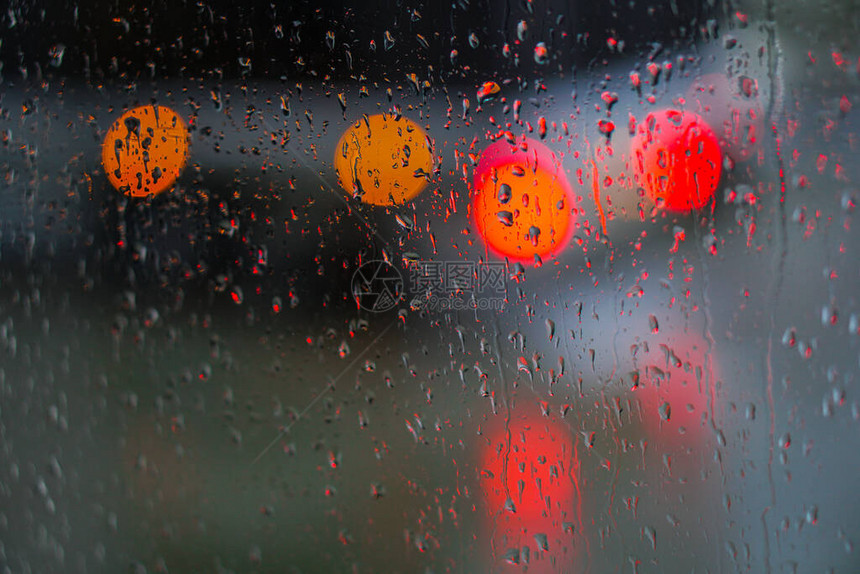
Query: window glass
x=521, y=286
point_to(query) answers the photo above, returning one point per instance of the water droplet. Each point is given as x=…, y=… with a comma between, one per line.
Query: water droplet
x=522, y=30
x=541, y=53
x=550, y=329
x=567, y=527
x=404, y=222
x=829, y=315
x=343, y=350
x=609, y=98
x=512, y=556
x=505, y=192
x=506, y=218
x=523, y=367
x=605, y=127
x=651, y=535
x=488, y=91
x=237, y=295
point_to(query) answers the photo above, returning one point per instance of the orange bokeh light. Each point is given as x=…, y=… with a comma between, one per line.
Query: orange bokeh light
x=384, y=159
x=521, y=201
x=676, y=158
x=145, y=150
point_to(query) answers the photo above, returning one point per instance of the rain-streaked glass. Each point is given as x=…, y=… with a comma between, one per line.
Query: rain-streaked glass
x=516, y=286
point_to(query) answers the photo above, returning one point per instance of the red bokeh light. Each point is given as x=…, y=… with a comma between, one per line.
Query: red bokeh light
x=529, y=480
x=678, y=387
x=676, y=158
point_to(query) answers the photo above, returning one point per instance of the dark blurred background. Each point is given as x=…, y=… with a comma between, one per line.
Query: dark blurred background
x=117, y=40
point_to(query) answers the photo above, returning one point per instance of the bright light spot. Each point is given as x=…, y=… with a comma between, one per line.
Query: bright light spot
x=384, y=160
x=676, y=158
x=521, y=200
x=145, y=150
x=530, y=477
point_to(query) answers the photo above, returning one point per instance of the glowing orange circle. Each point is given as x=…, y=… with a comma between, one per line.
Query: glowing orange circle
x=145, y=150
x=676, y=158
x=521, y=201
x=384, y=159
